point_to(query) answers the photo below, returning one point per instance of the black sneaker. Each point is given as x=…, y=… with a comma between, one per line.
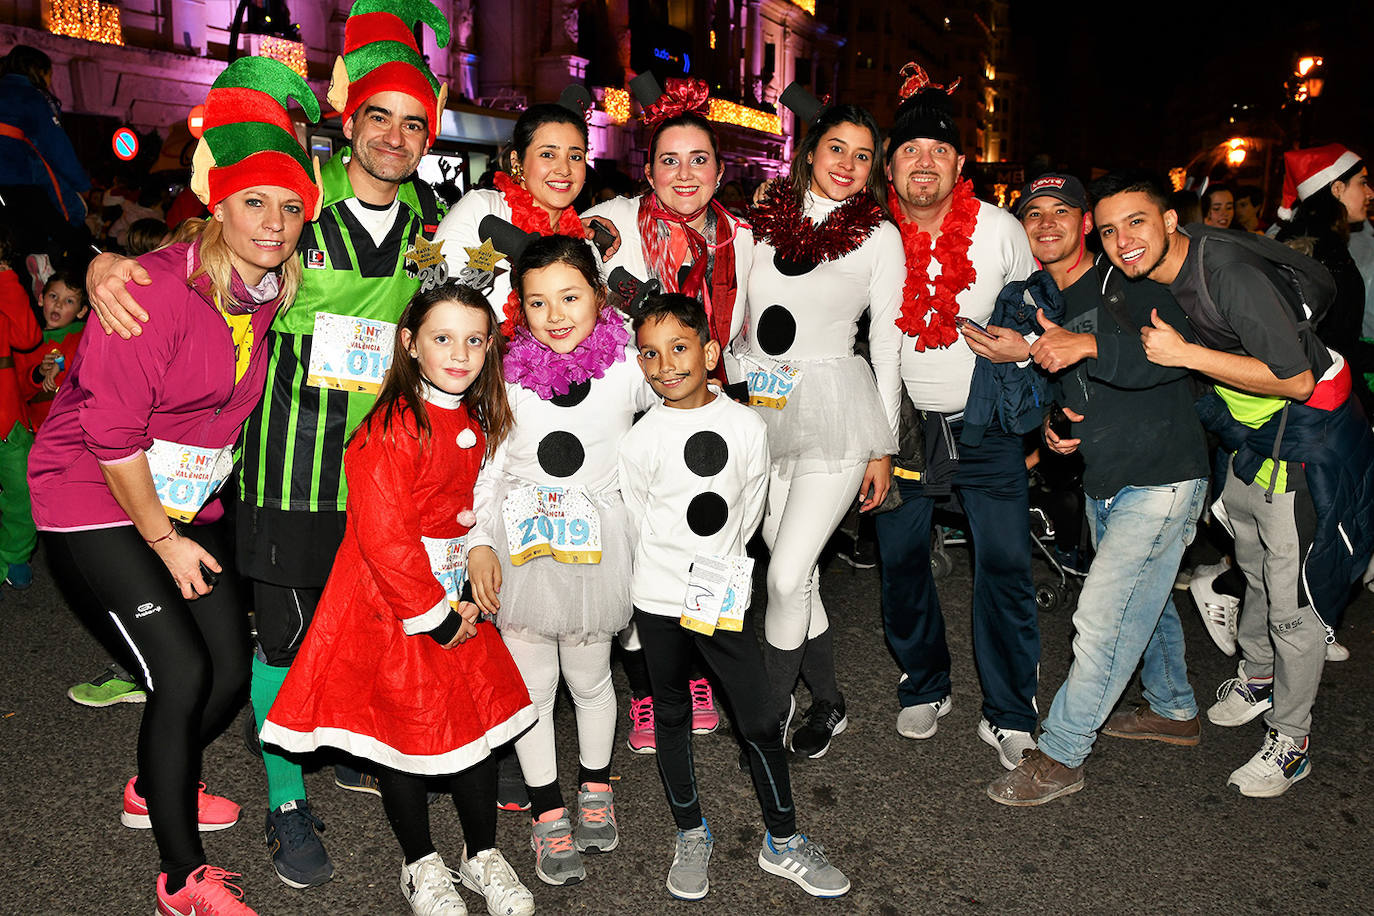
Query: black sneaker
x=511, y=794
x=354, y=780
x=294, y=841
x=823, y=721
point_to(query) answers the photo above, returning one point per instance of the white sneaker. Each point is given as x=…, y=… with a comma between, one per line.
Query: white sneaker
x=1279, y=763
x=1241, y=699
x=923, y=719
x=1335, y=652
x=1010, y=744
x=1219, y=612
x=428, y=887
x=489, y=874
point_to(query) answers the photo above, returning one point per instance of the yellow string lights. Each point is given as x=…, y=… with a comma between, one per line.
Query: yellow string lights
x=291, y=53
x=88, y=19
x=808, y=5
x=616, y=102
x=741, y=116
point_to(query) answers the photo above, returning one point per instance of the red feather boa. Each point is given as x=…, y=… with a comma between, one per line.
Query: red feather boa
x=527, y=215
x=930, y=307
x=778, y=220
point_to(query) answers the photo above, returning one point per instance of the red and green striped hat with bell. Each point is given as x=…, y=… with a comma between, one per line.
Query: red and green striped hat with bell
x=380, y=55
x=248, y=137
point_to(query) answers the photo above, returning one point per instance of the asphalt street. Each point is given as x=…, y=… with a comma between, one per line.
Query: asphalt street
x=1156, y=830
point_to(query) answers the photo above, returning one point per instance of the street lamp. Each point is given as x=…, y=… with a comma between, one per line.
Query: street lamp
x=1235, y=152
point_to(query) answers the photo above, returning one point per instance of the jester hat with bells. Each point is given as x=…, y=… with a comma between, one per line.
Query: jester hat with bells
x=249, y=140
x=380, y=55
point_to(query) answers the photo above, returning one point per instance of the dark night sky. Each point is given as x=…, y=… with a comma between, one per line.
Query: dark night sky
x=1146, y=79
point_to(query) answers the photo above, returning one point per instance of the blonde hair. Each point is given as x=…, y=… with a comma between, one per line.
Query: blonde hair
x=216, y=263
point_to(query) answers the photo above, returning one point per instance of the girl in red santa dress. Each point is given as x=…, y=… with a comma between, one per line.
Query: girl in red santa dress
x=398, y=666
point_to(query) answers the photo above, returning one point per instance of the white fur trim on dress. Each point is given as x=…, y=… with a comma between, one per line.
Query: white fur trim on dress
x=370, y=748
x=423, y=623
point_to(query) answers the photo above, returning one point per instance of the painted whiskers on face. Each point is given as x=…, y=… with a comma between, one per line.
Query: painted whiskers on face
x=676, y=363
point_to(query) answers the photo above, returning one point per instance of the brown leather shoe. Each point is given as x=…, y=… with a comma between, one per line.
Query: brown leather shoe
x=1144, y=724
x=1037, y=779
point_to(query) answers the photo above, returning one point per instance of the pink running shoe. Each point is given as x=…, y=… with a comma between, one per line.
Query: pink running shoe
x=641, y=739
x=212, y=811
x=705, y=716
x=207, y=893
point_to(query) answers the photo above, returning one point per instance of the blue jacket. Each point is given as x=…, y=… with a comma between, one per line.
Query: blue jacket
x=1014, y=395
x=24, y=108
x=1336, y=448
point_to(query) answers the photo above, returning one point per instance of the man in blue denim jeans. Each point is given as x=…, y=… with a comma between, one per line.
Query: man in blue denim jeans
x=1145, y=469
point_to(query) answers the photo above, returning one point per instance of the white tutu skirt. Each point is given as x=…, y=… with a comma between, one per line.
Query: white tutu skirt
x=589, y=602
x=833, y=418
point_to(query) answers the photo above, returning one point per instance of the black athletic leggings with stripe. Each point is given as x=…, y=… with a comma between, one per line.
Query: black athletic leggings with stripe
x=194, y=657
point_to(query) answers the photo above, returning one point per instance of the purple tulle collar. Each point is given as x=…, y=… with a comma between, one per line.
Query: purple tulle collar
x=532, y=365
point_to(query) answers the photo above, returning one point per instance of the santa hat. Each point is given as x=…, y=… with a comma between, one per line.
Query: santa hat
x=1307, y=171
x=380, y=55
x=248, y=137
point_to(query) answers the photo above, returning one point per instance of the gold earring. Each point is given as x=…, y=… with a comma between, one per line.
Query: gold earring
x=517, y=171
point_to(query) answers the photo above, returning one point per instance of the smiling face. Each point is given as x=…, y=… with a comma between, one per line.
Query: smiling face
x=1355, y=194
x=684, y=171
x=1054, y=228
x=390, y=135
x=554, y=166
x=676, y=363
x=560, y=306
x=451, y=345
x=1136, y=234
x=61, y=305
x=261, y=228
x=1220, y=210
x=923, y=172
x=842, y=161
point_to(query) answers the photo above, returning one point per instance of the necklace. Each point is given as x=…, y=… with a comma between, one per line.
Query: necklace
x=930, y=307
x=779, y=221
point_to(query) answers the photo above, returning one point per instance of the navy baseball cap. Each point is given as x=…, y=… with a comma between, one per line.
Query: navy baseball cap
x=1058, y=185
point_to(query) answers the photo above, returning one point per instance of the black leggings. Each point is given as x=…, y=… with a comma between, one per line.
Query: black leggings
x=405, y=800
x=738, y=666
x=192, y=655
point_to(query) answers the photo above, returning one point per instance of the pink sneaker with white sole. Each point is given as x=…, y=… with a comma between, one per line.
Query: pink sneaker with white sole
x=705, y=715
x=212, y=811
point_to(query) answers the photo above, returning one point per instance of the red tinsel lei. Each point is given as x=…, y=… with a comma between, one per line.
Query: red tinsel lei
x=779, y=221
x=930, y=307
x=527, y=215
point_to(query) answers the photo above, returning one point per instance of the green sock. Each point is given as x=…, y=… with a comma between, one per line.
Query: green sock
x=285, y=782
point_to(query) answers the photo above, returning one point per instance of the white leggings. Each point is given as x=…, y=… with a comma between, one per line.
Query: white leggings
x=587, y=670
x=804, y=509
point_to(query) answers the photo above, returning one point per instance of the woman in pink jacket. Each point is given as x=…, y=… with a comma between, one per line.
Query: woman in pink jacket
x=124, y=472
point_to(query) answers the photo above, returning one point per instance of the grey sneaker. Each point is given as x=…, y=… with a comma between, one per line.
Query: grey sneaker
x=596, y=826
x=805, y=863
x=489, y=874
x=428, y=887
x=556, y=859
x=1241, y=699
x=923, y=719
x=691, y=855
x=1010, y=744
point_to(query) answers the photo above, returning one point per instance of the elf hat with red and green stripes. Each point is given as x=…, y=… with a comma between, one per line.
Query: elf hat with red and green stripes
x=380, y=54
x=248, y=137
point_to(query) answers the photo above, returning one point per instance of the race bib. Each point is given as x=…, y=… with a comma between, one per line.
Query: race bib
x=771, y=388
x=187, y=476
x=448, y=560
x=552, y=522
x=351, y=354
x=718, y=592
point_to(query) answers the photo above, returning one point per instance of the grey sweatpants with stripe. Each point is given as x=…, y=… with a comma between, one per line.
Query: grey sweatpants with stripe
x=1278, y=632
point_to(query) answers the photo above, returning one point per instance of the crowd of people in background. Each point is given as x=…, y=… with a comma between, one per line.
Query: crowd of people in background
x=452, y=451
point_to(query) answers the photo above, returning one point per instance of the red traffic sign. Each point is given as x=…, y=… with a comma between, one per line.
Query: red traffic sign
x=125, y=144
x=195, y=121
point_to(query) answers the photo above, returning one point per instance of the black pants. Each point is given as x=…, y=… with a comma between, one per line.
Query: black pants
x=738, y=666
x=405, y=799
x=192, y=655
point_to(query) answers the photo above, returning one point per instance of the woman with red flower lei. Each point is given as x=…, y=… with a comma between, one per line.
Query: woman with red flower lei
x=827, y=253
x=543, y=169
x=678, y=234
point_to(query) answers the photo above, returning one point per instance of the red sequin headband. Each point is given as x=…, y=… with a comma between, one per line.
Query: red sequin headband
x=680, y=96
x=914, y=79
